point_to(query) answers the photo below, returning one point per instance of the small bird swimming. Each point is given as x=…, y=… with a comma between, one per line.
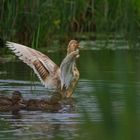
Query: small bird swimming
x=14, y=103
x=61, y=79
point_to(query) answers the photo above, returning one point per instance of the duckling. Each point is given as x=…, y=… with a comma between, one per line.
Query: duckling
x=41, y=104
x=49, y=104
x=32, y=104
x=13, y=104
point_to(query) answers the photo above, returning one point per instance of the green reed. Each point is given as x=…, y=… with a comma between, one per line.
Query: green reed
x=40, y=22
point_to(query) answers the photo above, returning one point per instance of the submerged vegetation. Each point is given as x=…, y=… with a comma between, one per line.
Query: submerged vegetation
x=40, y=22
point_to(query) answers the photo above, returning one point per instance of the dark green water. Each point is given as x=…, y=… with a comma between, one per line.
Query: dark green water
x=107, y=95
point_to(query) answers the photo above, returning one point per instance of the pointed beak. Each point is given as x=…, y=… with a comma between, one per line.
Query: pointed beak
x=78, y=47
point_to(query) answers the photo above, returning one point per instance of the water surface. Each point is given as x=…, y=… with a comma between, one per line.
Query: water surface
x=107, y=79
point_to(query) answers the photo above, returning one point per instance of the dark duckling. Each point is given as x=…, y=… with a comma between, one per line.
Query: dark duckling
x=41, y=104
x=13, y=104
x=50, y=105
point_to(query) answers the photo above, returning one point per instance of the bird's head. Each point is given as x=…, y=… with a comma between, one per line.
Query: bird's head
x=17, y=98
x=73, y=46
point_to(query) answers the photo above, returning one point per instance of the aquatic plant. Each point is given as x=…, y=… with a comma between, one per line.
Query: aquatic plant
x=38, y=23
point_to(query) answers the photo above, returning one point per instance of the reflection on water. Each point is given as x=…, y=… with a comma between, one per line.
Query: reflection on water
x=106, y=78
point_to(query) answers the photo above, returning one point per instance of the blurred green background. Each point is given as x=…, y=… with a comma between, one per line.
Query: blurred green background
x=39, y=23
x=52, y=23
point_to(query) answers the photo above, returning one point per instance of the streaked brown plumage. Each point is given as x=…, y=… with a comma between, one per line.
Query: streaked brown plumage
x=62, y=79
x=14, y=104
x=42, y=104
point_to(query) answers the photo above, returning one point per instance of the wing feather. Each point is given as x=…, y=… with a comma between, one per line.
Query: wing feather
x=66, y=69
x=42, y=65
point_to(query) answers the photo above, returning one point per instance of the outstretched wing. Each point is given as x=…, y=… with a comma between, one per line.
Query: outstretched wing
x=66, y=69
x=42, y=65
